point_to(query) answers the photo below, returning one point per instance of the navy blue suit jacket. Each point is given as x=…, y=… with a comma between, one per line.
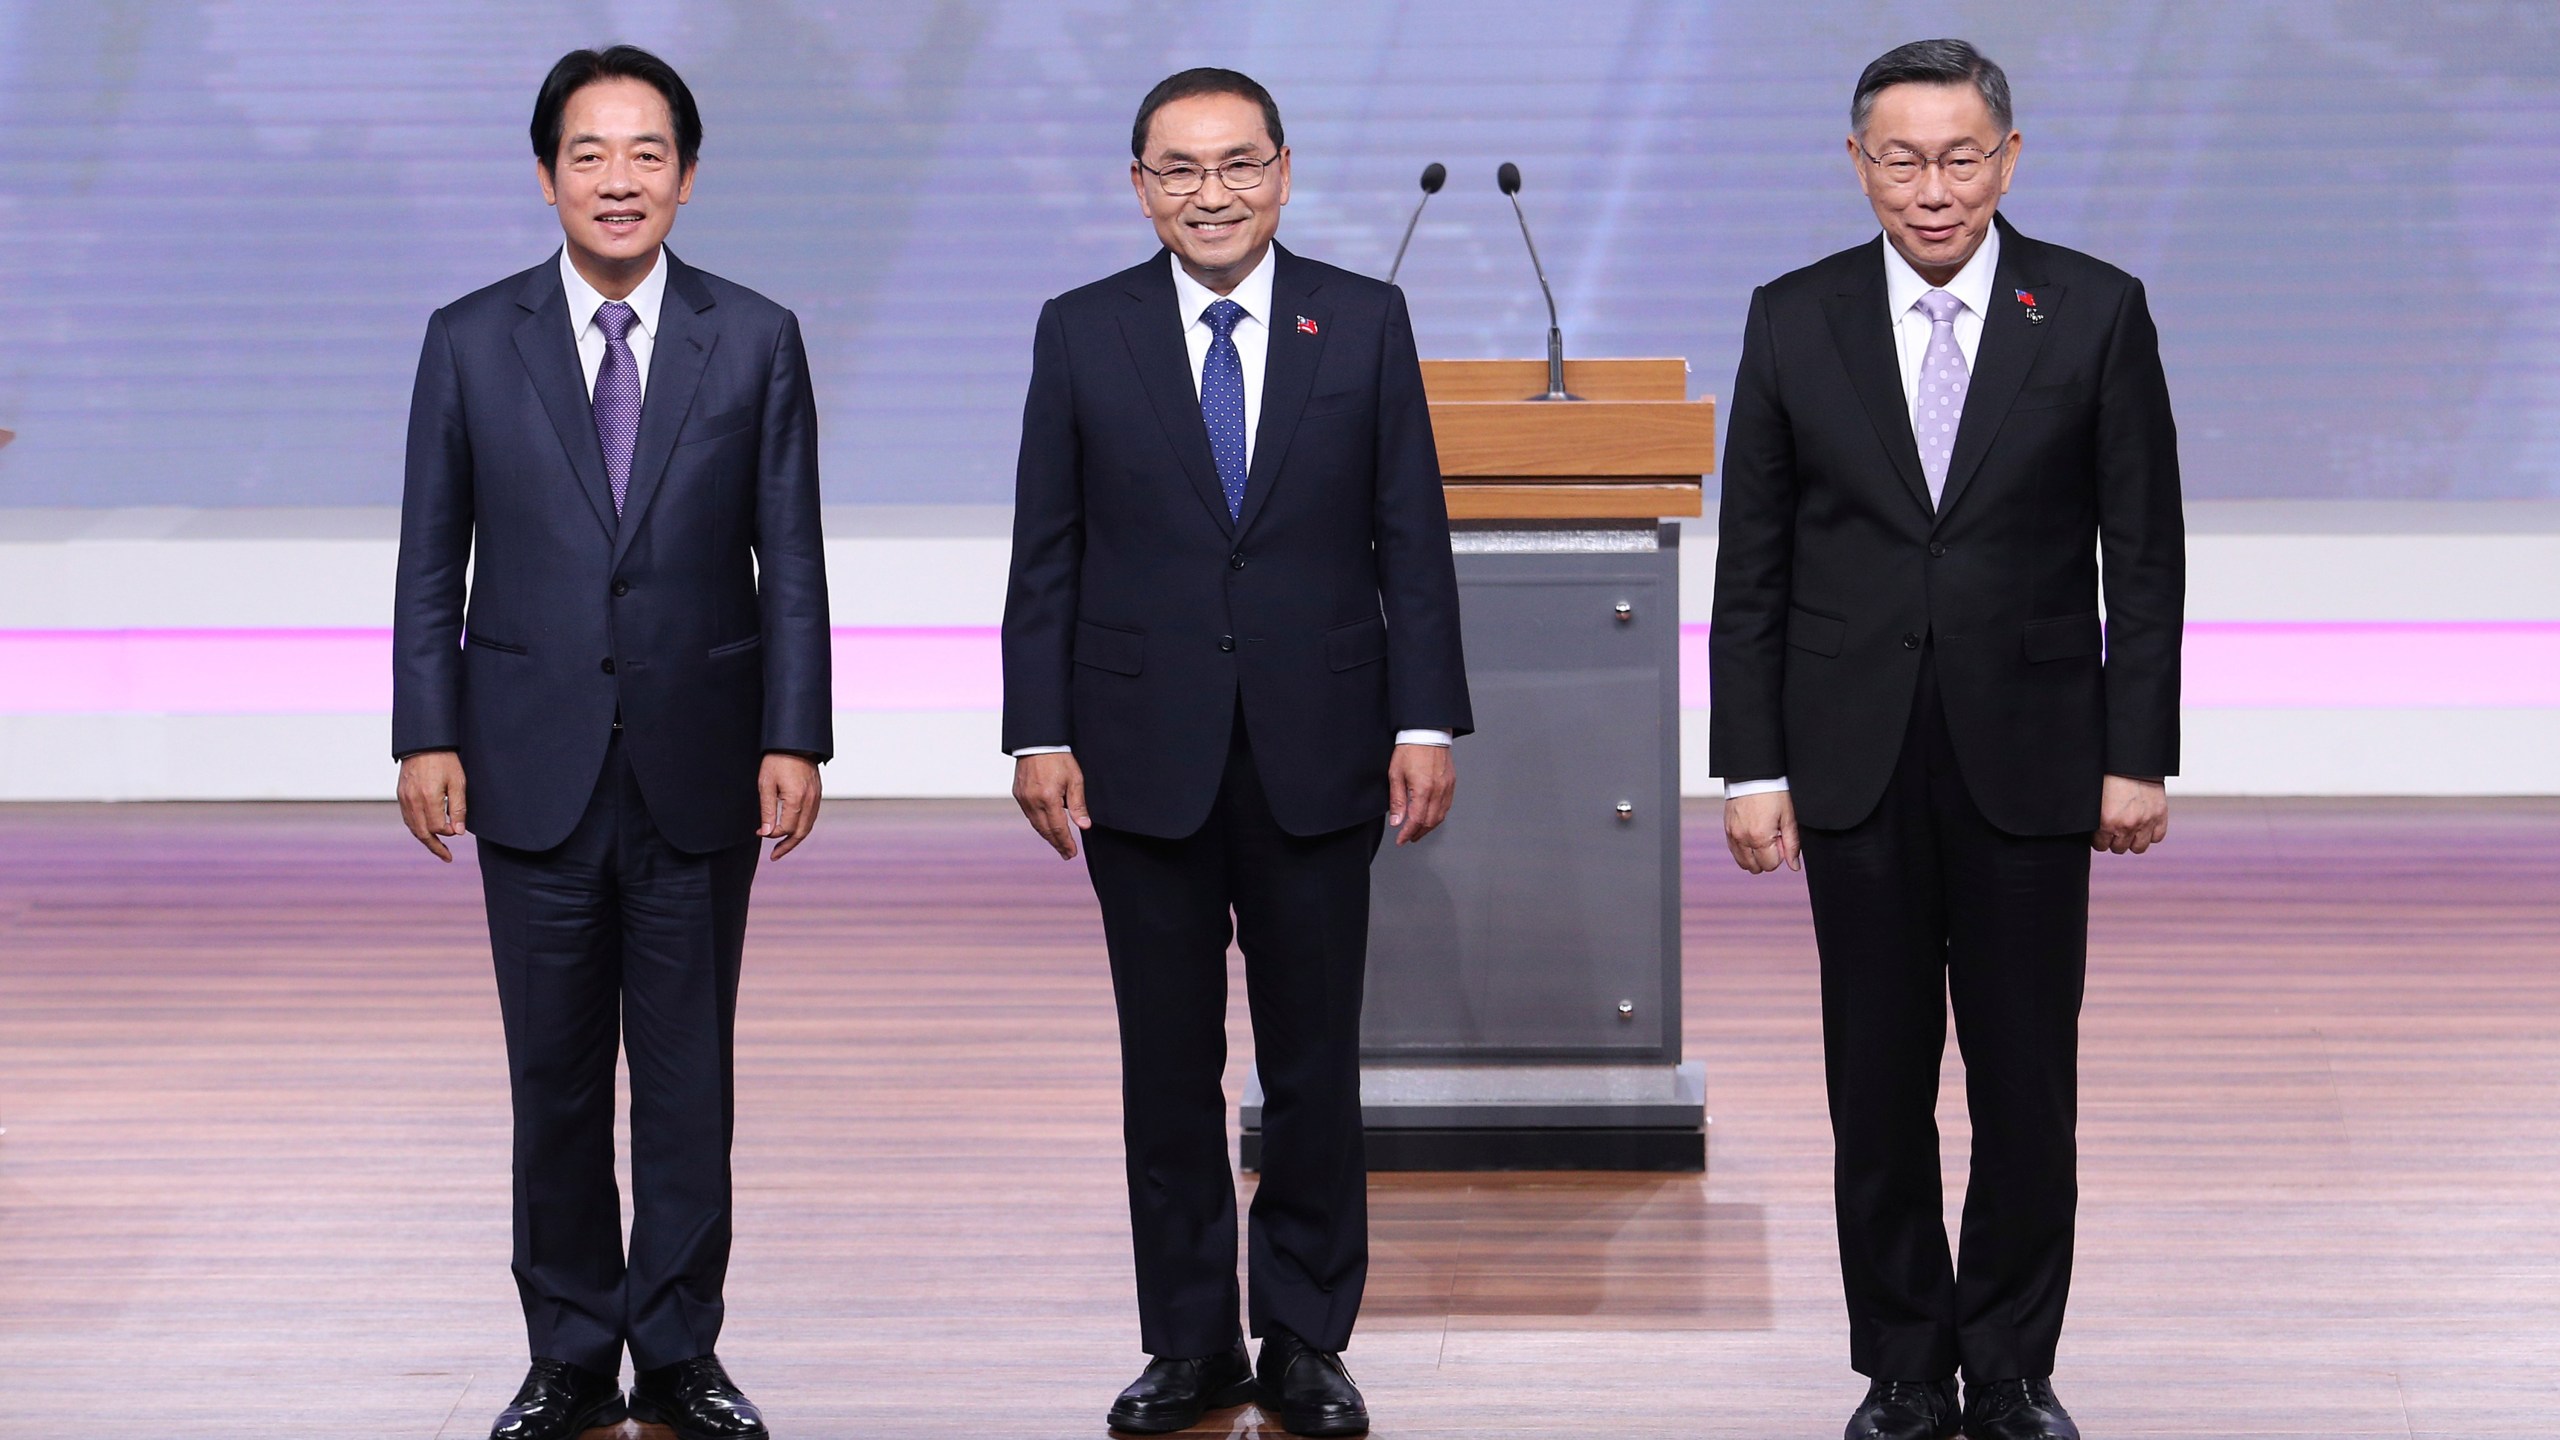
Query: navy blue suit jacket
x=699, y=615
x=1142, y=619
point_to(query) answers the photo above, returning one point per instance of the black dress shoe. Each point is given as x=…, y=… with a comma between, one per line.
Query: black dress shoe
x=557, y=1401
x=1172, y=1395
x=696, y=1399
x=1309, y=1387
x=2022, y=1409
x=1906, y=1410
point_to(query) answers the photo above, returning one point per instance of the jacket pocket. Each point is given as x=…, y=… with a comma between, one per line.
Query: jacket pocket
x=1345, y=402
x=478, y=641
x=1821, y=634
x=736, y=647
x=717, y=427
x=1362, y=642
x=2050, y=397
x=1122, y=652
x=2064, y=636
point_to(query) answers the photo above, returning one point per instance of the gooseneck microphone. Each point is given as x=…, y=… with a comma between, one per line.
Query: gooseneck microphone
x=1434, y=175
x=1508, y=177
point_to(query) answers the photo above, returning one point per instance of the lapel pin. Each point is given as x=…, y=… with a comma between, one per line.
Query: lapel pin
x=2028, y=299
x=1306, y=326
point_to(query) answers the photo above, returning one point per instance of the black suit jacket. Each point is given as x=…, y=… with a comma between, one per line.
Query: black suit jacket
x=1833, y=570
x=1141, y=620
x=699, y=615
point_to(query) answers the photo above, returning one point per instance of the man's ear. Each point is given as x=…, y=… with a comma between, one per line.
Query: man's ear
x=542, y=177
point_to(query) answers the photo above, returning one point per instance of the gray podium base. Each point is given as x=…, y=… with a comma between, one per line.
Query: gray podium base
x=1520, y=1117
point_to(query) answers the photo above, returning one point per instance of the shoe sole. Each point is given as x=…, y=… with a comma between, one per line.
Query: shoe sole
x=1234, y=1395
x=1304, y=1425
x=652, y=1415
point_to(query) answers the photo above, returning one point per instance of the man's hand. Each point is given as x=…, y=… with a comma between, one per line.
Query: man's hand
x=787, y=797
x=1421, y=781
x=431, y=799
x=1760, y=830
x=1050, y=790
x=2133, y=815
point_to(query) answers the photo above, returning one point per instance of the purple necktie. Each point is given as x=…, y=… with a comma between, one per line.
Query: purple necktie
x=1942, y=382
x=617, y=400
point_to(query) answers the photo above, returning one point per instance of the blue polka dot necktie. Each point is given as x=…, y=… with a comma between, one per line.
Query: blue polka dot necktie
x=617, y=397
x=1222, y=401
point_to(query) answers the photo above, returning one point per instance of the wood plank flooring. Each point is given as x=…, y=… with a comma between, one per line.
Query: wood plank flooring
x=254, y=1181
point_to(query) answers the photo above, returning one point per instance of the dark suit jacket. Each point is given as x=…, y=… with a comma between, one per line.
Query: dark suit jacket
x=1833, y=570
x=700, y=615
x=1141, y=620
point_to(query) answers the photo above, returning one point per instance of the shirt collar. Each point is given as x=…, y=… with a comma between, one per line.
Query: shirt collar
x=644, y=299
x=1903, y=286
x=1253, y=293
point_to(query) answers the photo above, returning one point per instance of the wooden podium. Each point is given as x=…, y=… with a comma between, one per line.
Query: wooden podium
x=1523, y=1007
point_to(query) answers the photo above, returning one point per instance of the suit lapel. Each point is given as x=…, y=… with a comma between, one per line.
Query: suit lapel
x=550, y=358
x=1864, y=336
x=2008, y=351
x=1152, y=326
x=1288, y=373
x=677, y=356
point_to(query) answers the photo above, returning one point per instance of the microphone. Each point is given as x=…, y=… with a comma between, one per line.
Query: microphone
x=1508, y=177
x=1434, y=175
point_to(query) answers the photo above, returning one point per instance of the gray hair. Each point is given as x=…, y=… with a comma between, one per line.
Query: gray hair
x=1931, y=62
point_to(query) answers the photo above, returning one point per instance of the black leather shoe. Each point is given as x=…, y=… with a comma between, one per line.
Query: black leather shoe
x=1309, y=1387
x=557, y=1401
x=696, y=1399
x=2023, y=1409
x=1906, y=1410
x=1172, y=1395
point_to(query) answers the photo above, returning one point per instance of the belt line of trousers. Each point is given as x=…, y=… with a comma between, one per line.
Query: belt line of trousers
x=1921, y=907
x=614, y=940
x=1298, y=907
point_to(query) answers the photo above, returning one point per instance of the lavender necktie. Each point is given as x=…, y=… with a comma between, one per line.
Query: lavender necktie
x=1222, y=400
x=617, y=398
x=1942, y=381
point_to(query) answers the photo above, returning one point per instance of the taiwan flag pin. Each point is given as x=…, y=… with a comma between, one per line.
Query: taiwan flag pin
x=2028, y=299
x=1306, y=326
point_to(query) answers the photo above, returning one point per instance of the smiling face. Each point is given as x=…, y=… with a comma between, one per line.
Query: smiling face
x=616, y=181
x=1220, y=235
x=1936, y=223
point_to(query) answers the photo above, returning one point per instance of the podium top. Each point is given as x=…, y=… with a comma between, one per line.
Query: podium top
x=1448, y=381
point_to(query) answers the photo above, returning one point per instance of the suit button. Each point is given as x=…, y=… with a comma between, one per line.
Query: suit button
x=621, y=587
x=1910, y=642
x=608, y=664
x=1935, y=550
x=1235, y=562
x=1227, y=643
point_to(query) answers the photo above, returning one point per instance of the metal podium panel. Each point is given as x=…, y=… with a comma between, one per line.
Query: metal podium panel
x=1542, y=921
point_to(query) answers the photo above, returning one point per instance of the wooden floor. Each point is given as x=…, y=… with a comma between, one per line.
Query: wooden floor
x=254, y=1181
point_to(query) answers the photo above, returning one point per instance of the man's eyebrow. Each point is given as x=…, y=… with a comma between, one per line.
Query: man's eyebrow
x=1241, y=147
x=646, y=138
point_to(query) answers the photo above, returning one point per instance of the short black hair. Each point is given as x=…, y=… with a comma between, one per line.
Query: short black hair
x=1931, y=62
x=581, y=68
x=1204, y=80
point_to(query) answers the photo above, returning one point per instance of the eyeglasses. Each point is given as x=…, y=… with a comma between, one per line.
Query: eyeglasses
x=1961, y=165
x=1184, y=178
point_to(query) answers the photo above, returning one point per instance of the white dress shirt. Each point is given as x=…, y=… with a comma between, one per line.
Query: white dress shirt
x=1252, y=337
x=1903, y=288
x=584, y=301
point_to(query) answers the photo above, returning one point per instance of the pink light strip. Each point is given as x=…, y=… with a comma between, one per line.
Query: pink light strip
x=2329, y=665
x=2344, y=665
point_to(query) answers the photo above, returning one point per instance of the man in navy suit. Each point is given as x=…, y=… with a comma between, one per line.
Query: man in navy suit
x=1934, y=438
x=1230, y=648
x=621, y=453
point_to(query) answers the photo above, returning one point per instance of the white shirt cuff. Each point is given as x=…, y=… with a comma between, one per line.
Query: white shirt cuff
x=1736, y=789
x=1425, y=737
x=1027, y=751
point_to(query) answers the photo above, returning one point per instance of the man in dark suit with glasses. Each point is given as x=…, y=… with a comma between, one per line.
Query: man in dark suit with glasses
x=1933, y=438
x=1231, y=659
